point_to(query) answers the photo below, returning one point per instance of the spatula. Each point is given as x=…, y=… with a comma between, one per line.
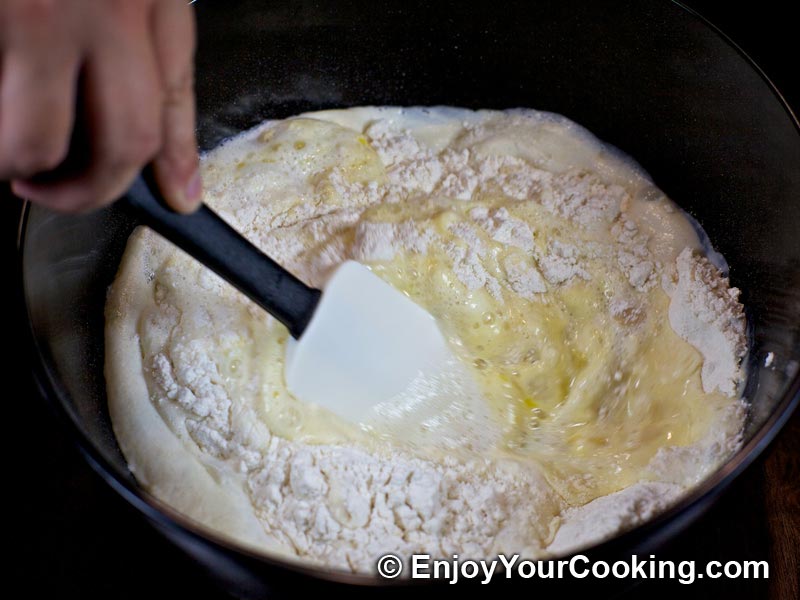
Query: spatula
x=360, y=345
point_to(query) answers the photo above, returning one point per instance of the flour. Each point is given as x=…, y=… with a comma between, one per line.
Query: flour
x=602, y=518
x=626, y=309
x=503, y=228
x=561, y=263
x=524, y=279
x=583, y=198
x=342, y=504
x=462, y=175
x=633, y=255
x=468, y=260
x=706, y=312
x=344, y=507
x=578, y=196
x=382, y=241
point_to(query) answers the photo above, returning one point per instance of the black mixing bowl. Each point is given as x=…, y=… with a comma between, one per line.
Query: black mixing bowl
x=649, y=77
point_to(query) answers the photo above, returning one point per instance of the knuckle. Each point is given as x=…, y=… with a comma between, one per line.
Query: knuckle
x=179, y=89
x=137, y=147
x=37, y=156
x=145, y=144
x=182, y=162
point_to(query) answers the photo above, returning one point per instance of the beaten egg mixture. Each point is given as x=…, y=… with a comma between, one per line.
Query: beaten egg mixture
x=566, y=283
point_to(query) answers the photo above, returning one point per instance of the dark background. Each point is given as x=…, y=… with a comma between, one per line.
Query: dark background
x=70, y=535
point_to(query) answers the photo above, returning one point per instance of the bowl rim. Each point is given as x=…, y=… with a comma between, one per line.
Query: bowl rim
x=663, y=526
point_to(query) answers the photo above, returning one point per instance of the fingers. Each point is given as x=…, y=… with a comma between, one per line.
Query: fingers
x=176, y=165
x=123, y=108
x=135, y=61
x=37, y=100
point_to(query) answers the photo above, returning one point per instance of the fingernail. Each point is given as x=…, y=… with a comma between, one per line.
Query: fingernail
x=194, y=189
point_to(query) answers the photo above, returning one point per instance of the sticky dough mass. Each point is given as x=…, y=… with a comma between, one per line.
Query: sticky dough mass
x=606, y=347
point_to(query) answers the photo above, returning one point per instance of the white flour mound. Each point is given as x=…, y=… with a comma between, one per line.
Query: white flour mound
x=344, y=506
x=705, y=311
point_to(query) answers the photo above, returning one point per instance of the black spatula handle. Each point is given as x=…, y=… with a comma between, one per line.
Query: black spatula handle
x=209, y=239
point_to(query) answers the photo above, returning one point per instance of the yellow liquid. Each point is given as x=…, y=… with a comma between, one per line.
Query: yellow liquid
x=587, y=397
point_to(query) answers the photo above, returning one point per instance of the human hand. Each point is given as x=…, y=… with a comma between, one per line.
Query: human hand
x=130, y=62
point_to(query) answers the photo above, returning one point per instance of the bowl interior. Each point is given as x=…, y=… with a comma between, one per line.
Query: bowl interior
x=654, y=80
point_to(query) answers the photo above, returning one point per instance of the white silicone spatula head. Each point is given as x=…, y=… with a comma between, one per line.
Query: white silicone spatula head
x=366, y=344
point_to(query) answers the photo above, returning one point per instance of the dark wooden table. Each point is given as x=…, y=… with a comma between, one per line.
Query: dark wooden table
x=71, y=536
